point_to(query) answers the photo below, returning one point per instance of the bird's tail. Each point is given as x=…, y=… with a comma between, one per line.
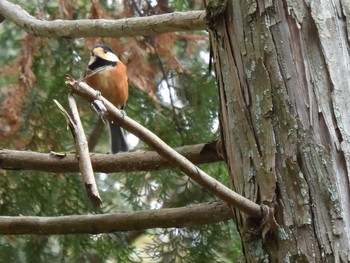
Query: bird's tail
x=118, y=141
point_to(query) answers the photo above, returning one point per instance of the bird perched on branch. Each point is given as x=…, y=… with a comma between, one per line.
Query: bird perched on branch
x=107, y=74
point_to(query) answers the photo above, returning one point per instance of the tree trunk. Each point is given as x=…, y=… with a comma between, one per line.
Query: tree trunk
x=282, y=70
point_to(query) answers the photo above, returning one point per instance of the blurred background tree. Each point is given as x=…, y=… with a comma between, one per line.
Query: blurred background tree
x=171, y=93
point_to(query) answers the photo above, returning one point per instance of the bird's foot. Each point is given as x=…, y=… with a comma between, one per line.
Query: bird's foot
x=98, y=107
x=123, y=113
x=98, y=95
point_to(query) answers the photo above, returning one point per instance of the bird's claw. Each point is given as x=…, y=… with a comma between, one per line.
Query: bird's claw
x=98, y=107
x=123, y=113
x=98, y=95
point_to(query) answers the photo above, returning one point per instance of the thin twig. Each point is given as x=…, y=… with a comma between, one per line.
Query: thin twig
x=138, y=11
x=177, y=122
x=199, y=176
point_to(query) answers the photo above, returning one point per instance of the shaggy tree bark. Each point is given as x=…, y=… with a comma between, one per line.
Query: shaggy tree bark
x=283, y=73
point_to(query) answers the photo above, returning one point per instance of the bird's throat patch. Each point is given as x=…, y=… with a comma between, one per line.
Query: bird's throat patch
x=99, y=62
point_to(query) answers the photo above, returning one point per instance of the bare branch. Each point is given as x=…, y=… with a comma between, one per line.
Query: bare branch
x=107, y=163
x=199, y=176
x=85, y=167
x=126, y=221
x=138, y=26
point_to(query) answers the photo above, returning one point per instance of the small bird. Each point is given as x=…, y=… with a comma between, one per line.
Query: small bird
x=107, y=74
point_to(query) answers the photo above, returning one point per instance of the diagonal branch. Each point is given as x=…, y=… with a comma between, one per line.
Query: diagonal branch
x=138, y=26
x=106, y=163
x=125, y=221
x=199, y=176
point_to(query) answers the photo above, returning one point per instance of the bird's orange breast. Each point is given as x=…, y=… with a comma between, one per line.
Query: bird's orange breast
x=112, y=82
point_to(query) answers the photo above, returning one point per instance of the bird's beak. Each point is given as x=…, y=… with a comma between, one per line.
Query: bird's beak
x=92, y=59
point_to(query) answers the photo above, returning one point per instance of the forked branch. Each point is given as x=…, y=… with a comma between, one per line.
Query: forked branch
x=199, y=176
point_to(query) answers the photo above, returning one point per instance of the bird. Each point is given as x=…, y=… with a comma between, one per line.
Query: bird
x=107, y=74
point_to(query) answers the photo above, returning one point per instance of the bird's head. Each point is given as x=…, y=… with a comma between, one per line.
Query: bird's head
x=102, y=55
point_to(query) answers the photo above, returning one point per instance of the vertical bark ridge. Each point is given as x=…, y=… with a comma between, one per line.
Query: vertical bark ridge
x=282, y=68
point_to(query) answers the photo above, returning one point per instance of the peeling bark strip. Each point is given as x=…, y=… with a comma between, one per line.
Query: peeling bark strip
x=105, y=163
x=127, y=221
x=138, y=26
x=282, y=69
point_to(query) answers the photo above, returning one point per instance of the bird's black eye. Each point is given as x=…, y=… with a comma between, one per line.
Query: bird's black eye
x=105, y=51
